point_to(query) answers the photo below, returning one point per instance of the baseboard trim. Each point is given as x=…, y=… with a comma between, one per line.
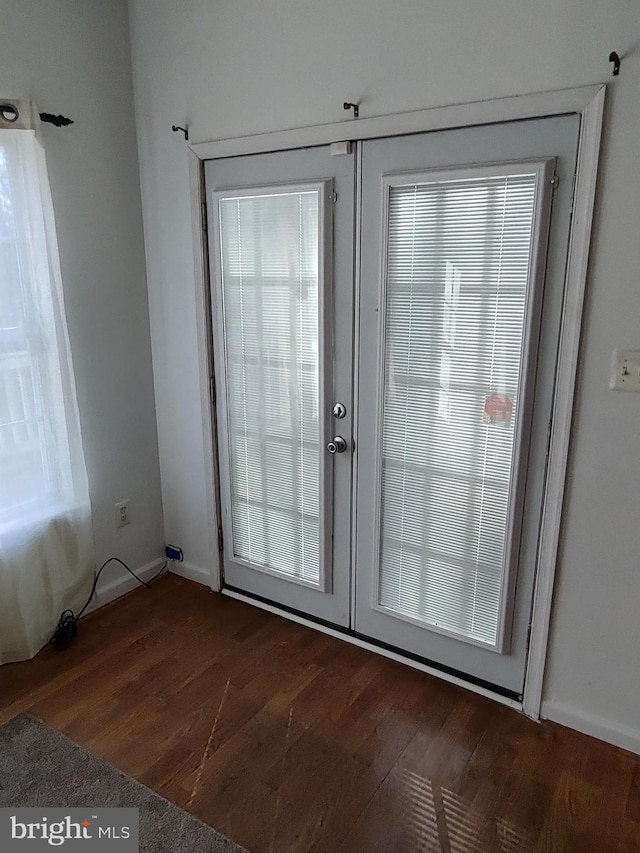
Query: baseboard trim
x=191, y=572
x=121, y=586
x=590, y=724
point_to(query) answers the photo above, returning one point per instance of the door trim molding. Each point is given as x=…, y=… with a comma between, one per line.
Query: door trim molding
x=563, y=397
x=204, y=342
x=585, y=101
x=513, y=108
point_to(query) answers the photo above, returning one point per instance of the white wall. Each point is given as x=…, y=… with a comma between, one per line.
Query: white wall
x=228, y=69
x=73, y=57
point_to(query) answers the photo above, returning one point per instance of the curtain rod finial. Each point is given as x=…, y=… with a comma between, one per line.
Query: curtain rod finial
x=57, y=121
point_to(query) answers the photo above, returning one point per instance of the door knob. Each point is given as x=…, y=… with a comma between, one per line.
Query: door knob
x=338, y=445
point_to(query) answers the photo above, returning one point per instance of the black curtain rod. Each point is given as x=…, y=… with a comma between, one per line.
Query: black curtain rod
x=10, y=114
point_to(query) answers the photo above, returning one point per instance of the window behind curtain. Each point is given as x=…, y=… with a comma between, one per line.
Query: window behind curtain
x=23, y=453
x=41, y=464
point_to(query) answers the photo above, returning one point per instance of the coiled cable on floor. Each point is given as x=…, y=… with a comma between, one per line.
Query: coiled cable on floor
x=67, y=627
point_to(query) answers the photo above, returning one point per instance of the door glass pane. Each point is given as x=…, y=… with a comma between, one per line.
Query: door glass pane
x=269, y=254
x=458, y=256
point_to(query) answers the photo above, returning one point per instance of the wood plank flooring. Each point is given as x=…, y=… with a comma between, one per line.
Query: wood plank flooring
x=289, y=740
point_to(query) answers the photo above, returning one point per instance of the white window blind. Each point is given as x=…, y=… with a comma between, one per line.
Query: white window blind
x=458, y=255
x=269, y=257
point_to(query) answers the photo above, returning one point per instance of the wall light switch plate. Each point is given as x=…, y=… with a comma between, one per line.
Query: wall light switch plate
x=625, y=370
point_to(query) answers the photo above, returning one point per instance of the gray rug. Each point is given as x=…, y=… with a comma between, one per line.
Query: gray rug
x=40, y=767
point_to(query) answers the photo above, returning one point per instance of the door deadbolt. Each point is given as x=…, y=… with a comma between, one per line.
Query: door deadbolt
x=339, y=410
x=338, y=445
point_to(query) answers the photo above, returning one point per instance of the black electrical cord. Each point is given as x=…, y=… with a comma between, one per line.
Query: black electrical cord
x=67, y=626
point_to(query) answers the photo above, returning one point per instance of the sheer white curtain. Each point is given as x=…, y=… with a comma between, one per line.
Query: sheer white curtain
x=46, y=551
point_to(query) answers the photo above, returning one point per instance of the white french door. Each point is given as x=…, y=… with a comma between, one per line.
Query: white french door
x=462, y=239
x=282, y=267
x=458, y=333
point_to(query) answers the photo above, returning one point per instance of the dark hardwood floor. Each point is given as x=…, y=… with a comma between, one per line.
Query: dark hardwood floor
x=288, y=740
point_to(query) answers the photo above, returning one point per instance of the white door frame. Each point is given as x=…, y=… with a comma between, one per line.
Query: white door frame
x=585, y=101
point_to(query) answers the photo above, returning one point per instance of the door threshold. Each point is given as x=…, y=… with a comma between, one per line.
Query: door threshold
x=504, y=697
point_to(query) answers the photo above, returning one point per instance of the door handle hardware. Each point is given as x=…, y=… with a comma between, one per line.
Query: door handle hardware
x=338, y=445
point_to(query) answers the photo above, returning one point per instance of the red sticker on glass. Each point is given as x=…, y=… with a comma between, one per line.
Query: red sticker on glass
x=498, y=409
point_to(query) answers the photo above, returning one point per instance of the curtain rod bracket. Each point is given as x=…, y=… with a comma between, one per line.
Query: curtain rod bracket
x=615, y=58
x=175, y=128
x=349, y=106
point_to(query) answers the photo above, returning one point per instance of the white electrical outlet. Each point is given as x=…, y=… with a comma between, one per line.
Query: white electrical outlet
x=625, y=370
x=122, y=513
